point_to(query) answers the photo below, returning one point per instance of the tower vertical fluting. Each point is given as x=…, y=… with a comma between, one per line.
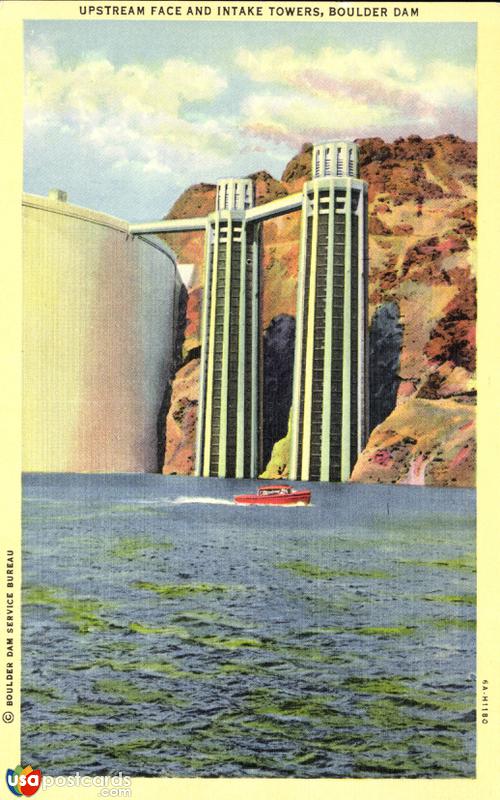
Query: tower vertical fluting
x=330, y=393
x=229, y=417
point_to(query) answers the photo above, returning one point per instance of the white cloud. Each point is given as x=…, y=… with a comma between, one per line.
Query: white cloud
x=356, y=92
x=284, y=65
x=444, y=84
x=131, y=113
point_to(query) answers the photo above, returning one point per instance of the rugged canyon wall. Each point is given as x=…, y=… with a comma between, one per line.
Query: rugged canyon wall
x=422, y=294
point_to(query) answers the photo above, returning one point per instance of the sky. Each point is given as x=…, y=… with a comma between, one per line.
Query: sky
x=125, y=115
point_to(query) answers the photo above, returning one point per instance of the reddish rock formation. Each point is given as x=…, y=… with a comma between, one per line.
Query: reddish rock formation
x=181, y=421
x=422, y=442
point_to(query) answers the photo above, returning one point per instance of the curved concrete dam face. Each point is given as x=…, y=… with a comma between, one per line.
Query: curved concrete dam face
x=100, y=317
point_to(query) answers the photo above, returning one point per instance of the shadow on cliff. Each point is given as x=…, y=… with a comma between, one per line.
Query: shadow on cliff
x=161, y=421
x=279, y=347
x=385, y=339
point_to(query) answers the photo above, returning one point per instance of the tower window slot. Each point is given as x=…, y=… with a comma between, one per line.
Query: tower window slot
x=351, y=163
x=340, y=162
x=328, y=161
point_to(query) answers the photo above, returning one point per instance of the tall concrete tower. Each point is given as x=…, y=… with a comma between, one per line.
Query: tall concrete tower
x=329, y=408
x=229, y=416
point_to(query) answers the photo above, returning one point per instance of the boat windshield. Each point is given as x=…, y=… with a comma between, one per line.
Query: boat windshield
x=273, y=490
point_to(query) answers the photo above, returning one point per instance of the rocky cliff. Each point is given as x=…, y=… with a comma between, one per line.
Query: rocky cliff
x=422, y=294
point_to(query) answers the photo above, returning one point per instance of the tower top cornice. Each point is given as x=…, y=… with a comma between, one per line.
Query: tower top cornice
x=338, y=159
x=235, y=194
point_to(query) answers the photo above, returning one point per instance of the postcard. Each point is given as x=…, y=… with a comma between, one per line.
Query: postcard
x=245, y=245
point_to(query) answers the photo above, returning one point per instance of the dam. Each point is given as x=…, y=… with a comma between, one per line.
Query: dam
x=99, y=328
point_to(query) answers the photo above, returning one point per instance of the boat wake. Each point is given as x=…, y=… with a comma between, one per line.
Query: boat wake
x=186, y=499
x=182, y=500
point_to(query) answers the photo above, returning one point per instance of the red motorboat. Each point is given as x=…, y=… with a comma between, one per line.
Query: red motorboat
x=281, y=495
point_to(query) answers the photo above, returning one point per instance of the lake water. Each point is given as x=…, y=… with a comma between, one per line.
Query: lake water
x=167, y=631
